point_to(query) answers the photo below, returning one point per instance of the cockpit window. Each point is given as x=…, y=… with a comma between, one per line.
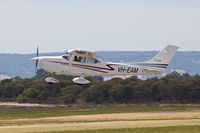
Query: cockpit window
x=92, y=60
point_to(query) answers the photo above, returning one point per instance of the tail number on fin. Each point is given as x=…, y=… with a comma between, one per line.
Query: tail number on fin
x=157, y=60
x=128, y=69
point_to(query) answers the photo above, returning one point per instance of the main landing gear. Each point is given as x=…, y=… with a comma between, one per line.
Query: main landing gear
x=81, y=80
x=78, y=80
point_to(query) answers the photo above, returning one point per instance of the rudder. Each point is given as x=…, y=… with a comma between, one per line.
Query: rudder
x=164, y=56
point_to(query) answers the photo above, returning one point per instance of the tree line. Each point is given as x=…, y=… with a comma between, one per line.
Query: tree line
x=173, y=88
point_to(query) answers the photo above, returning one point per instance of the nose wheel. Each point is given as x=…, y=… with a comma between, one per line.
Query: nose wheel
x=52, y=80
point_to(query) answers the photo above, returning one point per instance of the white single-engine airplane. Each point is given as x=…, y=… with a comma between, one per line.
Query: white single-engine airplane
x=85, y=63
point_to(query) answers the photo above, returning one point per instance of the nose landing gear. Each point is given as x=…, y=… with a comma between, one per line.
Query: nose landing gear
x=52, y=80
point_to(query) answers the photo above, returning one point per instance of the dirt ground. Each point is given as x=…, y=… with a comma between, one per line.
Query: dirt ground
x=118, y=116
x=29, y=104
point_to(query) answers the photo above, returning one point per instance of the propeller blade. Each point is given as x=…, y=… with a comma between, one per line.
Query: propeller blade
x=36, y=63
x=36, y=66
x=37, y=53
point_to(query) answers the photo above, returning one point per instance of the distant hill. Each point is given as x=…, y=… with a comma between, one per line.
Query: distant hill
x=21, y=65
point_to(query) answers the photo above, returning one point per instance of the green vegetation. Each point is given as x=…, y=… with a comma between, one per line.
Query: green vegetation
x=27, y=95
x=49, y=112
x=171, y=129
x=172, y=88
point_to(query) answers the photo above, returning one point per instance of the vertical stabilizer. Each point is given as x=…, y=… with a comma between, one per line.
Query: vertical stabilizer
x=164, y=56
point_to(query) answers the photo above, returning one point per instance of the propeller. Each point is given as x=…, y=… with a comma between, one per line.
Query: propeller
x=36, y=62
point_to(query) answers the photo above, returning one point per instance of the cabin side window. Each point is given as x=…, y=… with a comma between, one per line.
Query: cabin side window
x=92, y=60
x=79, y=59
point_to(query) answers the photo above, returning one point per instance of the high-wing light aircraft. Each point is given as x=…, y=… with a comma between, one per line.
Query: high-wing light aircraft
x=85, y=63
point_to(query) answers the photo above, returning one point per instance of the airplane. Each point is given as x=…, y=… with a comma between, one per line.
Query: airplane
x=83, y=63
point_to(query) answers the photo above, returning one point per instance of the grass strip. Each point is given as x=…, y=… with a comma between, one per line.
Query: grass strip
x=169, y=129
x=52, y=112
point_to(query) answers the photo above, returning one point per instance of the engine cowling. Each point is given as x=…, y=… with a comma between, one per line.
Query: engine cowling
x=80, y=80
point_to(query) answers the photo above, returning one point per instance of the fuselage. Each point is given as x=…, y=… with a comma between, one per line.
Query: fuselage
x=85, y=63
x=62, y=66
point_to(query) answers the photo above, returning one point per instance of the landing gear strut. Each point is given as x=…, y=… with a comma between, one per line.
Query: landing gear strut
x=52, y=80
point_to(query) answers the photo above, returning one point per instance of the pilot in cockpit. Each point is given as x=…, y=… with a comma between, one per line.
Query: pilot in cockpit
x=76, y=58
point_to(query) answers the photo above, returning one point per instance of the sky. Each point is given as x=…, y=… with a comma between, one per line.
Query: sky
x=98, y=25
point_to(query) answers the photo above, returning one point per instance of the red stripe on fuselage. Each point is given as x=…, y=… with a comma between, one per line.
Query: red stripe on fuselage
x=108, y=65
x=110, y=68
x=159, y=66
x=63, y=63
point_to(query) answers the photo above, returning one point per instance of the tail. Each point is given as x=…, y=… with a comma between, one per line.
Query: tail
x=165, y=56
x=158, y=64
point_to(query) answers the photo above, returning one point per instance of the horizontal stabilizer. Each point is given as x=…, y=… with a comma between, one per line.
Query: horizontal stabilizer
x=152, y=71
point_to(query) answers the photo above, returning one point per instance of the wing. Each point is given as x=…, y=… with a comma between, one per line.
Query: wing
x=84, y=53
